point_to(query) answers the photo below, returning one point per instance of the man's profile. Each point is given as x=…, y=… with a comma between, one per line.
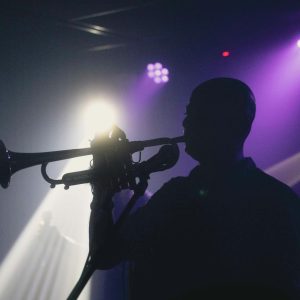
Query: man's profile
x=228, y=230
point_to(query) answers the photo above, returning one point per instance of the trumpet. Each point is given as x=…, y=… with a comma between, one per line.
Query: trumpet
x=11, y=162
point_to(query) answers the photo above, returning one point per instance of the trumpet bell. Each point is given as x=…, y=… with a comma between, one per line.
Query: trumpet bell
x=5, y=170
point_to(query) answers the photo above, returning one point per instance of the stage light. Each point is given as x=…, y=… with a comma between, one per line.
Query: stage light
x=225, y=53
x=298, y=43
x=99, y=117
x=158, y=73
x=165, y=71
x=165, y=78
x=150, y=67
x=151, y=74
x=157, y=80
x=158, y=66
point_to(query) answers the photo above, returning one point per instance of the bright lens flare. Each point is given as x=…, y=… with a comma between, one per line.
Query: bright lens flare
x=99, y=117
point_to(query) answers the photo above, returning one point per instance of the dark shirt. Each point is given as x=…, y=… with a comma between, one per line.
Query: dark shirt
x=237, y=236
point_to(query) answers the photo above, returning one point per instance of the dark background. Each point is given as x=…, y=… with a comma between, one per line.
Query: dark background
x=49, y=63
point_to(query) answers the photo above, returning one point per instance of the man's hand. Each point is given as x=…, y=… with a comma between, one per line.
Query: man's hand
x=101, y=222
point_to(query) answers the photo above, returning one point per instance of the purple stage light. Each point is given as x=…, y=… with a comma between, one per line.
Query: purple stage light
x=158, y=66
x=298, y=43
x=165, y=71
x=150, y=67
x=158, y=73
x=151, y=74
x=157, y=80
x=165, y=78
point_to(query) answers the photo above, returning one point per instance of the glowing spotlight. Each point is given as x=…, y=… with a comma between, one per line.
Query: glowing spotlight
x=225, y=53
x=298, y=43
x=165, y=78
x=151, y=74
x=157, y=80
x=165, y=71
x=150, y=67
x=99, y=117
x=158, y=73
x=158, y=66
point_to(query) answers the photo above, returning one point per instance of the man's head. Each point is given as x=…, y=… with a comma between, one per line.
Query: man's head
x=218, y=118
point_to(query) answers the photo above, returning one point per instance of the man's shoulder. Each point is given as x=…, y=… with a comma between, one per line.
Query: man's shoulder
x=271, y=186
x=174, y=185
x=179, y=180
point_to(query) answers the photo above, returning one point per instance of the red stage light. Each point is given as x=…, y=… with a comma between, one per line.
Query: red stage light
x=225, y=53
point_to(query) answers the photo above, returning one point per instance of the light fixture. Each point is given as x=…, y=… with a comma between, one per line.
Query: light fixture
x=158, y=72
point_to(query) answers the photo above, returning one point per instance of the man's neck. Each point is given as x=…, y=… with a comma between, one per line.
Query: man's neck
x=212, y=168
